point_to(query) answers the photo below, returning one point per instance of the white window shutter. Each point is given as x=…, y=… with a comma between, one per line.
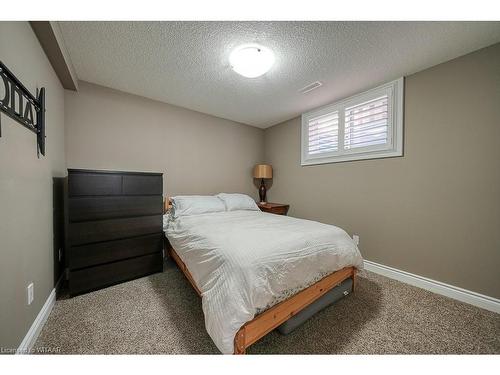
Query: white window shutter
x=366, y=124
x=323, y=133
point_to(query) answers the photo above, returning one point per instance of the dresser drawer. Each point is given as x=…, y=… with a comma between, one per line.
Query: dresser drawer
x=142, y=185
x=106, y=230
x=281, y=210
x=92, y=278
x=96, y=208
x=88, y=183
x=110, y=251
x=274, y=208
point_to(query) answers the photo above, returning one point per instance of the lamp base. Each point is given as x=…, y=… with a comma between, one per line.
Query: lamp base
x=262, y=191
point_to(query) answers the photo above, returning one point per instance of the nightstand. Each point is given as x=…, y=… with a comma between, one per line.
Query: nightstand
x=274, y=208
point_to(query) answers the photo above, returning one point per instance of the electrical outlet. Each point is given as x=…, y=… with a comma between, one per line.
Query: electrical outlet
x=31, y=293
x=355, y=238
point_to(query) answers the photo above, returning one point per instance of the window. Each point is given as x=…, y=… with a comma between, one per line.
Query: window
x=364, y=126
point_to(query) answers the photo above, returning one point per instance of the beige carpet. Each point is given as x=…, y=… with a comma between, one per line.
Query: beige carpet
x=161, y=314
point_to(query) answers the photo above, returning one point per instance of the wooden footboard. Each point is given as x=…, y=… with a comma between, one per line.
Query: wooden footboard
x=265, y=322
x=268, y=320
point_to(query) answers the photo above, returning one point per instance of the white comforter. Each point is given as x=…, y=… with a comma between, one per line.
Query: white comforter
x=244, y=261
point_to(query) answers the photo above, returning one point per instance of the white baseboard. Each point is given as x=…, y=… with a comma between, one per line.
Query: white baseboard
x=35, y=329
x=463, y=295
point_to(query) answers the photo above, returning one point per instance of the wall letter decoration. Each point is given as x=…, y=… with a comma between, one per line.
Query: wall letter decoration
x=19, y=104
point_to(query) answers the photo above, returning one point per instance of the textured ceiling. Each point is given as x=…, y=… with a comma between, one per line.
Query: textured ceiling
x=186, y=63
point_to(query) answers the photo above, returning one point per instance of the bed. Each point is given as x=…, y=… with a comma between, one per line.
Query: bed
x=255, y=270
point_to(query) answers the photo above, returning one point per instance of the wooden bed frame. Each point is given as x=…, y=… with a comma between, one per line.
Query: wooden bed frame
x=268, y=320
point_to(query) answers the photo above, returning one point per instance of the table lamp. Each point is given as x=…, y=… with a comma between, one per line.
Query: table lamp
x=262, y=171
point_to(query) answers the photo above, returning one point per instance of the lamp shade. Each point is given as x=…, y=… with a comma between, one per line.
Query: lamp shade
x=263, y=171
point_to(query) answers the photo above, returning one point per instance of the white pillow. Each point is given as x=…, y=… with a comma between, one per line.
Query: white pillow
x=184, y=205
x=238, y=201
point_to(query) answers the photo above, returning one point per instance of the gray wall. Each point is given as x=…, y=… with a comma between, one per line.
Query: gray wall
x=26, y=243
x=434, y=212
x=198, y=153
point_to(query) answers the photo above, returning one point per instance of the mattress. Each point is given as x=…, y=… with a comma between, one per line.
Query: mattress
x=243, y=262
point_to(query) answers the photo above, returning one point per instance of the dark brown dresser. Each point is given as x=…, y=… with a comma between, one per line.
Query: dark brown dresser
x=114, y=227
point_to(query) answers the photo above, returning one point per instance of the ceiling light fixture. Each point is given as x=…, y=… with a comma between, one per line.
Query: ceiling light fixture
x=251, y=60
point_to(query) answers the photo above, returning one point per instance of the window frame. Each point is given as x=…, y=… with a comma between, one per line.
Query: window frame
x=394, y=146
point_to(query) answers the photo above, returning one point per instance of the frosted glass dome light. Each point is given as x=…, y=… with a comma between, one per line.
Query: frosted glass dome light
x=251, y=60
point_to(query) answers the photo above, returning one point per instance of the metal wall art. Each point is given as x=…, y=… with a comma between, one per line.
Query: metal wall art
x=19, y=104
